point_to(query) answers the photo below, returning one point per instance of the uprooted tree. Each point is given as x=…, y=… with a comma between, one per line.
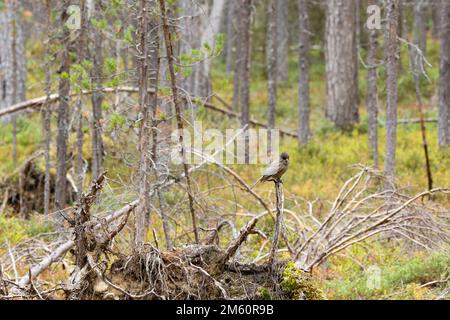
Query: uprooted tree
x=207, y=270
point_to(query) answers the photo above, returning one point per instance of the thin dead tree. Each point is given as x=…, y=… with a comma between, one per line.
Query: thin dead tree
x=417, y=65
x=143, y=50
x=82, y=43
x=279, y=209
x=96, y=54
x=63, y=111
x=178, y=107
x=154, y=65
x=46, y=112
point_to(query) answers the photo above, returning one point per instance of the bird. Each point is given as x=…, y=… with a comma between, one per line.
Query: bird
x=275, y=170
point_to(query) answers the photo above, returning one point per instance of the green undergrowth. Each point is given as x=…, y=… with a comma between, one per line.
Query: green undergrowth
x=401, y=278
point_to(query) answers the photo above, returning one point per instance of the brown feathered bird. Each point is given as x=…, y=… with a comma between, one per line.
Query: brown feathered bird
x=275, y=170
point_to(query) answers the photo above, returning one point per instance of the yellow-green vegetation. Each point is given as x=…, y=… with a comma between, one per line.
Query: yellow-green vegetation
x=417, y=277
x=300, y=285
x=14, y=230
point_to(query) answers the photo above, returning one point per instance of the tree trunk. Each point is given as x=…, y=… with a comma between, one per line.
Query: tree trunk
x=230, y=37
x=372, y=91
x=46, y=113
x=282, y=40
x=192, y=25
x=435, y=13
x=81, y=56
x=12, y=56
x=392, y=60
x=303, y=82
x=97, y=96
x=63, y=113
x=157, y=154
x=202, y=81
x=245, y=65
x=341, y=63
x=444, y=81
x=147, y=52
x=177, y=102
x=272, y=65
x=420, y=25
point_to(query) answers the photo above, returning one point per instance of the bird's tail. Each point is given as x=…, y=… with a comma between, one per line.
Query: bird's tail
x=257, y=181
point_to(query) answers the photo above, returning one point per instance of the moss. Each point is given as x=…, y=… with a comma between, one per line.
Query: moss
x=299, y=285
x=264, y=294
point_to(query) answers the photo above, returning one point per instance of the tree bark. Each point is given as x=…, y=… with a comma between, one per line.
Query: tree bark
x=146, y=38
x=420, y=24
x=444, y=73
x=195, y=14
x=63, y=113
x=97, y=96
x=392, y=60
x=46, y=113
x=178, y=108
x=82, y=43
x=245, y=66
x=372, y=91
x=12, y=57
x=272, y=43
x=230, y=37
x=303, y=82
x=280, y=208
x=282, y=40
x=341, y=63
x=202, y=81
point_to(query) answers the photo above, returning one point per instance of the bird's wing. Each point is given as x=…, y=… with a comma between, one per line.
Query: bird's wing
x=272, y=168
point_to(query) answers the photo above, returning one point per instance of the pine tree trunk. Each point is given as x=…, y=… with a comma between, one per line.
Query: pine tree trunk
x=245, y=17
x=444, y=81
x=202, y=82
x=272, y=65
x=341, y=63
x=63, y=114
x=230, y=36
x=81, y=56
x=97, y=96
x=420, y=25
x=392, y=60
x=372, y=91
x=282, y=40
x=46, y=113
x=303, y=82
